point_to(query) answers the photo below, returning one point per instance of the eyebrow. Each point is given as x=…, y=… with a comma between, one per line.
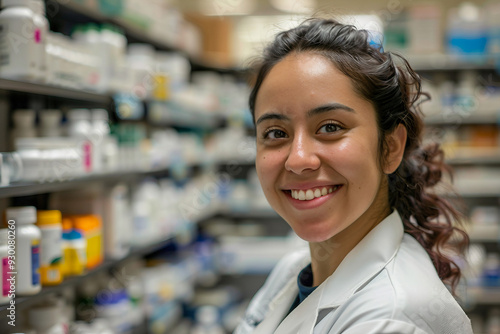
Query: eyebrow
x=315, y=111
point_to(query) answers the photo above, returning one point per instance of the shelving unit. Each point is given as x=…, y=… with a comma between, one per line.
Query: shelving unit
x=185, y=118
x=447, y=62
x=484, y=296
x=493, y=159
x=483, y=117
x=476, y=299
x=60, y=92
x=24, y=188
x=136, y=33
x=74, y=281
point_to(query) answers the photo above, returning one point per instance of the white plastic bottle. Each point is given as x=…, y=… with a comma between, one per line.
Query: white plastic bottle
x=117, y=230
x=27, y=249
x=24, y=124
x=41, y=31
x=50, y=123
x=89, y=37
x=99, y=135
x=4, y=266
x=105, y=146
x=79, y=127
x=140, y=60
x=116, y=47
x=19, y=38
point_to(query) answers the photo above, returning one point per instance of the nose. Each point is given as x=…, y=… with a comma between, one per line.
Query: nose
x=302, y=156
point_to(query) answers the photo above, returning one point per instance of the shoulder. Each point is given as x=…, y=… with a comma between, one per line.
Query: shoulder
x=420, y=293
x=407, y=296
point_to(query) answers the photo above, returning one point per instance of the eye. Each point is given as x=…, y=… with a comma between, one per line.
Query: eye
x=330, y=128
x=274, y=134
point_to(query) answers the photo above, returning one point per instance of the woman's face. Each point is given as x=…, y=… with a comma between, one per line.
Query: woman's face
x=317, y=148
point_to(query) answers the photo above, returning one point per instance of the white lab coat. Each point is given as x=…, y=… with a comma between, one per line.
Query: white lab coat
x=386, y=284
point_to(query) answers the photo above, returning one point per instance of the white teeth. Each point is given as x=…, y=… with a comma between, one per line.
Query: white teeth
x=302, y=195
x=310, y=194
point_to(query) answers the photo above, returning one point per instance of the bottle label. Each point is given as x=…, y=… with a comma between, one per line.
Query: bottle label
x=87, y=156
x=38, y=36
x=50, y=257
x=5, y=282
x=35, y=262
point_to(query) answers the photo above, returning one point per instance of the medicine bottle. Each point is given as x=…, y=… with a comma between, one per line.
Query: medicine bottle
x=27, y=255
x=99, y=135
x=19, y=54
x=41, y=31
x=49, y=222
x=90, y=227
x=79, y=127
x=24, y=125
x=4, y=266
x=74, y=253
x=50, y=123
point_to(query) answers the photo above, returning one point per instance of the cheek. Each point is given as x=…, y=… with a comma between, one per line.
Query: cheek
x=265, y=165
x=358, y=161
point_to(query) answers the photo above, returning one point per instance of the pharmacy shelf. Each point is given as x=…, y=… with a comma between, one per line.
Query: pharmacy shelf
x=91, y=12
x=136, y=33
x=173, y=114
x=483, y=295
x=474, y=193
x=74, y=281
x=47, y=90
x=484, y=234
x=447, y=62
x=477, y=160
x=26, y=188
x=480, y=118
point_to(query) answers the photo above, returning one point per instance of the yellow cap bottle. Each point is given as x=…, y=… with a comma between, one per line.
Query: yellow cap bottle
x=49, y=222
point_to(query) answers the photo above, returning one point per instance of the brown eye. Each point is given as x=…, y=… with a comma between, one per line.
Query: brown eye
x=275, y=134
x=329, y=128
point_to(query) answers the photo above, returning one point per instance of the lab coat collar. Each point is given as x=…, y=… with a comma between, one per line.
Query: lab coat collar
x=365, y=261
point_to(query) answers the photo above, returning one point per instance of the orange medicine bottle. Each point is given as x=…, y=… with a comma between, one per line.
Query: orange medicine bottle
x=91, y=229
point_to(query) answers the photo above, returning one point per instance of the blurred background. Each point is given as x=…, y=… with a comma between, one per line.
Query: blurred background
x=127, y=154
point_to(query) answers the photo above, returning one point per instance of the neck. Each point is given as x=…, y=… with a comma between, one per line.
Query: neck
x=327, y=255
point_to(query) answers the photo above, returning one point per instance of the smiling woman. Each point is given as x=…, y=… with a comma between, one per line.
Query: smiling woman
x=339, y=157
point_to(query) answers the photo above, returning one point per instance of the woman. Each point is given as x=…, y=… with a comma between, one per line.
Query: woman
x=339, y=157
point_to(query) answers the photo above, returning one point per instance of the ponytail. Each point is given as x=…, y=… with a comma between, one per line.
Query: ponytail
x=429, y=218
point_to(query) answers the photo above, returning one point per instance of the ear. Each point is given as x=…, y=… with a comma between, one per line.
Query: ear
x=395, y=148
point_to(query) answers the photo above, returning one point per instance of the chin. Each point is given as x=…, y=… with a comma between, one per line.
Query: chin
x=314, y=232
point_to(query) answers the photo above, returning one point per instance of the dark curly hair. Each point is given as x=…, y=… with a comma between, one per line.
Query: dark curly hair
x=395, y=92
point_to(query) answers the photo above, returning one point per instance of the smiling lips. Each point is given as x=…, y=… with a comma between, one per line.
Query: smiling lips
x=309, y=194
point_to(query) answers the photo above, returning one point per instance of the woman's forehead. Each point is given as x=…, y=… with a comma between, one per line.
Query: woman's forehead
x=308, y=79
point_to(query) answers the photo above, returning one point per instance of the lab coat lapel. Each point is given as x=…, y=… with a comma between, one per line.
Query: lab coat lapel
x=366, y=260
x=303, y=318
x=278, y=308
